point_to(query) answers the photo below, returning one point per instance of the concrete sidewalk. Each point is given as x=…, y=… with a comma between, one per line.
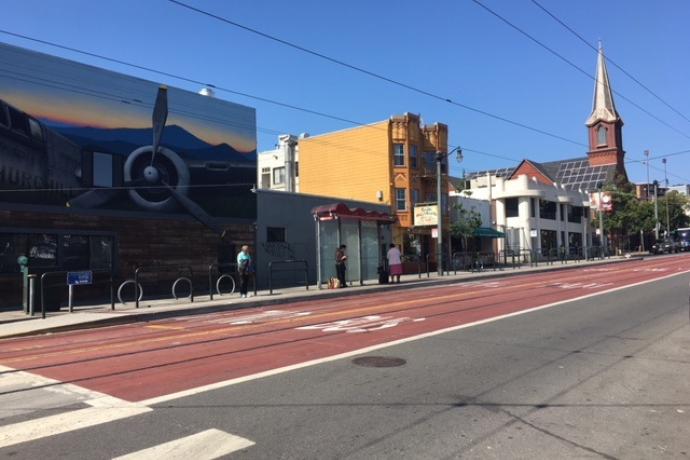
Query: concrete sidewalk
x=16, y=323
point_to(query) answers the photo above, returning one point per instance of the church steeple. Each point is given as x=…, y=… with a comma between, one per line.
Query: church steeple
x=604, y=124
x=603, y=107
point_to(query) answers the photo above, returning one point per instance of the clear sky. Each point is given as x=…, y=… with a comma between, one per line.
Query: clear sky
x=451, y=48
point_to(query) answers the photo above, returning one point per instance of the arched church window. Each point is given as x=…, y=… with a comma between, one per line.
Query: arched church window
x=601, y=135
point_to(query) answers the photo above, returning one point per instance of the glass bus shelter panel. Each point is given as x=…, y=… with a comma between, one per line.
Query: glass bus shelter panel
x=328, y=237
x=349, y=234
x=370, y=256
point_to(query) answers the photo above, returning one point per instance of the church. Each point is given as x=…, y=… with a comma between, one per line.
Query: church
x=604, y=162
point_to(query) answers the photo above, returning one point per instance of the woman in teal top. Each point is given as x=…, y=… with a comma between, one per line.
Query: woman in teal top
x=244, y=268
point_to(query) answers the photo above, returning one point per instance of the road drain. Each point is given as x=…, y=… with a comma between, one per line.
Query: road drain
x=378, y=361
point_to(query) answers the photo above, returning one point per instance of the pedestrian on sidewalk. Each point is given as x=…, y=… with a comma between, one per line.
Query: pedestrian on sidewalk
x=244, y=269
x=341, y=264
x=394, y=262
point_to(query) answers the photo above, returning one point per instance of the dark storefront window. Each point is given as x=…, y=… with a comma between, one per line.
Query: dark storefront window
x=547, y=209
x=532, y=207
x=549, y=241
x=101, y=251
x=9, y=253
x=75, y=252
x=574, y=241
x=42, y=250
x=56, y=252
x=512, y=207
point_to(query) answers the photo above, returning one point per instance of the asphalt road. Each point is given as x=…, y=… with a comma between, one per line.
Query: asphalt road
x=603, y=376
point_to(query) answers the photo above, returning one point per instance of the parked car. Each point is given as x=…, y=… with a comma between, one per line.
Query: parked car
x=666, y=246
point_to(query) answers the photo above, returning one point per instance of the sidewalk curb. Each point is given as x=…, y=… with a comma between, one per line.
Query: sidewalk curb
x=321, y=295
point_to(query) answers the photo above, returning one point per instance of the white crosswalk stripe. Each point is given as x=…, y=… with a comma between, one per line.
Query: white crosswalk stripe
x=206, y=445
x=24, y=394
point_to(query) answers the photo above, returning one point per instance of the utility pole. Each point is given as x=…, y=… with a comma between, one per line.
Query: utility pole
x=439, y=202
x=656, y=210
x=601, y=224
x=439, y=224
x=646, y=154
x=668, y=217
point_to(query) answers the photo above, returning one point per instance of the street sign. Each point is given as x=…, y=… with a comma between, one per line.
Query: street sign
x=79, y=278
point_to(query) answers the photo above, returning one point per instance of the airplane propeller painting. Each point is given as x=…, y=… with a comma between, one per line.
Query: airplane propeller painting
x=155, y=177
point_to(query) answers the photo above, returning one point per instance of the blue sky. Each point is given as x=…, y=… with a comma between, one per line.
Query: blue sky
x=451, y=48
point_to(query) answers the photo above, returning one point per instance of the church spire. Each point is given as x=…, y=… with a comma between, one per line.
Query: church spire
x=603, y=107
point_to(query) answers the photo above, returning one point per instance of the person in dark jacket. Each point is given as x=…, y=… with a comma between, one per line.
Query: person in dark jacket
x=341, y=264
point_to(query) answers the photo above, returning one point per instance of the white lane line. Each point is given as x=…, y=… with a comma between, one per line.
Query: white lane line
x=207, y=445
x=314, y=362
x=43, y=427
x=104, y=409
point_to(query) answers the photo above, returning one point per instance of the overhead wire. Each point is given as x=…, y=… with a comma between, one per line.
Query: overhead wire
x=372, y=74
x=609, y=60
x=573, y=65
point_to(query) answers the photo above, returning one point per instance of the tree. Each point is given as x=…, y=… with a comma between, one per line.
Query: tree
x=465, y=223
x=677, y=210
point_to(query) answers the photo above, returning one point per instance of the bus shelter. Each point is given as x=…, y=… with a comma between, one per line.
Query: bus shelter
x=366, y=234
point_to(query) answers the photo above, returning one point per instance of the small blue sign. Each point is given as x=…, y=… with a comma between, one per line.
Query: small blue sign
x=79, y=278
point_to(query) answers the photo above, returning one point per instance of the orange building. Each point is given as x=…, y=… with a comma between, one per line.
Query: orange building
x=391, y=162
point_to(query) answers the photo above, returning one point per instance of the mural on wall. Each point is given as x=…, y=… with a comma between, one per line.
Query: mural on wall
x=79, y=136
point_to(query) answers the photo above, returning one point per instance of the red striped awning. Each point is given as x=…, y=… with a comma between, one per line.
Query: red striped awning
x=338, y=210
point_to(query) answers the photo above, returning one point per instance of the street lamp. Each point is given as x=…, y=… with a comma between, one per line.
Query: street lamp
x=439, y=226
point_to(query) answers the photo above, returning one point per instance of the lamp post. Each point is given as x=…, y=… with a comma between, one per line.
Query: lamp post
x=439, y=225
x=646, y=154
x=656, y=210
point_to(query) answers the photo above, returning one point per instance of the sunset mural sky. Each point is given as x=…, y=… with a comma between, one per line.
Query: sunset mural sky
x=68, y=93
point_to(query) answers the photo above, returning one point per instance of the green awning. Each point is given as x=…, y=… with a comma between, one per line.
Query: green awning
x=488, y=232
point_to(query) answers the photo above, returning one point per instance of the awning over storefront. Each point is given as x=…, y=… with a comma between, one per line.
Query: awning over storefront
x=488, y=232
x=336, y=210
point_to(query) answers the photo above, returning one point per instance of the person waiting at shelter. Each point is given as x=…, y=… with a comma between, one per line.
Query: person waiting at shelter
x=244, y=269
x=394, y=262
x=340, y=264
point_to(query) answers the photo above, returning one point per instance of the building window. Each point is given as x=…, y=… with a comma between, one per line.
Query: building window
x=398, y=155
x=575, y=214
x=275, y=234
x=101, y=250
x=602, y=132
x=296, y=168
x=549, y=242
x=512, y=207
x=265, y=178
x=401, y=199
x=413, y=156
x=532, y=207
x=42, y=250
x=279, y=175
x=75, y=252
x=415, y=197
x=563, y=212
x=547, y=209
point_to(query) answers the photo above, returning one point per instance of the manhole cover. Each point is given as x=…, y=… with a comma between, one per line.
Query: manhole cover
x=378, y=361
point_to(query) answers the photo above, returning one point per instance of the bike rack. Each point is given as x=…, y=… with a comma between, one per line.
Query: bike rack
x=221, y=276
x=139, y=291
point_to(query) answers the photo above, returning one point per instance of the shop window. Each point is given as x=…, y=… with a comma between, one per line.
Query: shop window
x=398, y=155
x=275, y=235
x=512, y=207
x=549, y=241
x=101, y=252
x=42, y=250
x=401, y=199
x=75, y=252
x=279, y=175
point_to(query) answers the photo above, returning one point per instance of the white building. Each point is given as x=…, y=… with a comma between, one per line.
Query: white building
x=278, y=169
x=683, y=189
x=533, y=213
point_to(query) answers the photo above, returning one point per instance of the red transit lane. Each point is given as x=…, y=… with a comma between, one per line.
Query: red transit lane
x=146, y=360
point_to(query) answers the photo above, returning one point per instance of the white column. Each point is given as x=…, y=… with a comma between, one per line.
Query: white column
x=500, y=222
